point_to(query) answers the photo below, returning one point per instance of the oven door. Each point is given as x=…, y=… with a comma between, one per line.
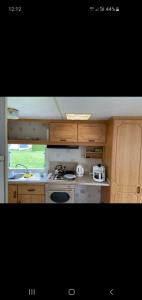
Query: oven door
x=60, y=196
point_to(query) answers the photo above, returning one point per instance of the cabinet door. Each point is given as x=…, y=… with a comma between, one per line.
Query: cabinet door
x=92, y=133
x=63, y=132
x=126, y=162
x=30, y=199
x=12, y=193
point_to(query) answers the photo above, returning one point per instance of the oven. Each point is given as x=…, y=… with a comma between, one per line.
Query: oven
x=59, y=193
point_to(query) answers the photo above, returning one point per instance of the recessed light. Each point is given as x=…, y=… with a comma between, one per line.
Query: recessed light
x=78, y=116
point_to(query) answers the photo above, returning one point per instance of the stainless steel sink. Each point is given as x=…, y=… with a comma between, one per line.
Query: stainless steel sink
x=18, y=176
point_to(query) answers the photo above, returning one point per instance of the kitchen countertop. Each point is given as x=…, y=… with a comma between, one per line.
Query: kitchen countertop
x=84, y=180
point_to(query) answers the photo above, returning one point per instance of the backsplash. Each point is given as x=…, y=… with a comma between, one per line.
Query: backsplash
x=69, y=158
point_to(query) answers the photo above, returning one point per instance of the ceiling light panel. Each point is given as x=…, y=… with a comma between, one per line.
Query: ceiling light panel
x=78, y=116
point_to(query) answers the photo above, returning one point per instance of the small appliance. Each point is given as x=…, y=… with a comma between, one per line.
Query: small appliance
x=79, y=170
x=99, y=173
x=56, y=193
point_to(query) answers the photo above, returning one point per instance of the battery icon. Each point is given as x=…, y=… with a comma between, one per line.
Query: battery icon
x=117, y=8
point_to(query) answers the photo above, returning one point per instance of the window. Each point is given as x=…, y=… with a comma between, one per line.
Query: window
x=32, y=156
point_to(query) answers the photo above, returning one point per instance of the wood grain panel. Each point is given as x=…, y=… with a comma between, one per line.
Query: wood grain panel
x=30, y=189
x=31, y=199
x=92, y=133
x=12, y=193
x=63, y=132
x=128, y=154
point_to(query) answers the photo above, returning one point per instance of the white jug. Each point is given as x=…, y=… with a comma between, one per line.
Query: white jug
x=79, y=170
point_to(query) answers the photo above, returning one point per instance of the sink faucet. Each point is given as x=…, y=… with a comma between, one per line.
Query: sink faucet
x=27, y=171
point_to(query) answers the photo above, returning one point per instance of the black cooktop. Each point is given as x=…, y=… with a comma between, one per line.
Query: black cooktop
x=60, y=175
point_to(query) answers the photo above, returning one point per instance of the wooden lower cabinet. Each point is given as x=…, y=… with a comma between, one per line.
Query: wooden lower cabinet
x=92, y=133
x=30, y=189
x=26, y=193
x=124, y=193
x=30, y=199
x=12, y=193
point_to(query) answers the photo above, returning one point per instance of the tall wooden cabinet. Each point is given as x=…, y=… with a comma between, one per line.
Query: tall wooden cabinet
x=26, y=193
x=123, y=160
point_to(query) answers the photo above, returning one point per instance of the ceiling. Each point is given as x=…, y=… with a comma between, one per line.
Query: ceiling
x=56, y=107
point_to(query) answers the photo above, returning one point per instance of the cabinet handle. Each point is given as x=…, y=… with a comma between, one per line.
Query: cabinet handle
x=138, y=189
x=14, y=194
x=31, y=190
x=91, y=140
x=63, y=140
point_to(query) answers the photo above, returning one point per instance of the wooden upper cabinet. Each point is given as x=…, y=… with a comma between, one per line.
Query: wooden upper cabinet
x=63, y=132
x=92, y=133
x=12, y=193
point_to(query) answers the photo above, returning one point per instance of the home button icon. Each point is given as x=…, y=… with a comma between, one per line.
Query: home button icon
x=71, y=292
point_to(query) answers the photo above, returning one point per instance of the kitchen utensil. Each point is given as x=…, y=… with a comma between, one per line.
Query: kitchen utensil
x=69, y=176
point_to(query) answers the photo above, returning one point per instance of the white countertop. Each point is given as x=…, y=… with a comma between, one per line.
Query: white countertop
x=33, y=180
x=84, y=180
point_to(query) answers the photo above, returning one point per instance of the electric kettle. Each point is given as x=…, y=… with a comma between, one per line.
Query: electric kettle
x=79, y=170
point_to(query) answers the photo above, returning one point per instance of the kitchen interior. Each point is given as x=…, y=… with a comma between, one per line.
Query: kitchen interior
x=89, y=149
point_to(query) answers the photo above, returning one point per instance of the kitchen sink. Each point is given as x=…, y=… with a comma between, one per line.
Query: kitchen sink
x=18, y=176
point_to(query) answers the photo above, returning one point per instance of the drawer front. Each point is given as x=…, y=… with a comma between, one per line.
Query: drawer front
x=30, y=189
x=59, y=187
x=31, y=199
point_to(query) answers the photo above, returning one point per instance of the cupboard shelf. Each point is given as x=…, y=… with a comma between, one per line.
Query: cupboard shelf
x=91, y=152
